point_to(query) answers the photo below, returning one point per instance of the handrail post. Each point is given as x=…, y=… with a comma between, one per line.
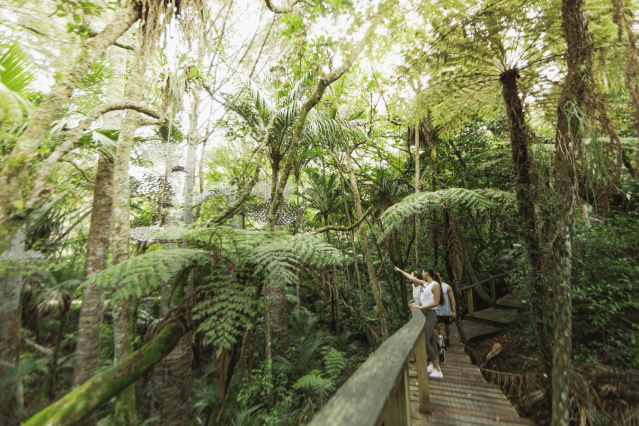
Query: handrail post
x=421, y=362
x=397, y=412
x=493, y=293
x=471, y=305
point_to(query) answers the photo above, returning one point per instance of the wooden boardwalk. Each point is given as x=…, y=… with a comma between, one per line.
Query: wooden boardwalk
x=463, y=397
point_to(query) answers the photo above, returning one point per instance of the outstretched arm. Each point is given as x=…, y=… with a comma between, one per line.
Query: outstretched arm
x=409, y=276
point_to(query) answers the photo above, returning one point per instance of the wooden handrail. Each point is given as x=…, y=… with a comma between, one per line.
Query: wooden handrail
x=378, y=392
x=468, y=287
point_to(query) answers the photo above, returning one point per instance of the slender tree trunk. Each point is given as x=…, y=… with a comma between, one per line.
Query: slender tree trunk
x=418, y=188
x=52, y=380
x=377, y=288
x=632, y=78
x=89, y=341
x=577, y=92
x=402, y=282
x=201, y=180
x=191, y=160
x=10, y=320
x=520, y=139
x=267, y=337
x=432, y=136
x=14, y=172
x=351, y=235
x=123, y=327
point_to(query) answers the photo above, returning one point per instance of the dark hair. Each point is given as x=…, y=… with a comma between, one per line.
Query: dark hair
x=435, y=276
x=417, y=275
x=441, y=276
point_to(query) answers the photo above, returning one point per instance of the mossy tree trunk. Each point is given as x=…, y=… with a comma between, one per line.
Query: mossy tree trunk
x=89, y=341
x=576, y=93
x=375, y=284
x=520, y=140
x=10, y=320
x=191, y=160
x=123, y=326
x=16, y=164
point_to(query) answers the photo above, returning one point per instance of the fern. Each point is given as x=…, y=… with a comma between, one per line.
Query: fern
x=334, y=362
x=315, y=383
x=275, y=256
x=135, y=276
x=226, y=307
x=421, y=202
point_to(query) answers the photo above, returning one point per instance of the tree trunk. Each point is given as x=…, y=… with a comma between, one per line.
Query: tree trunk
x=123, y=312
x=632, y=75
x=418, y=188
x=89, y=341
x=577, y=92
x=267, y=338
x=351, y=235
x=10, y=320
x=520, y=139
x=98, y=390
x=52, y=380
x=377, y=288
x=191, y=160
x=171, y=405
x=13, y=174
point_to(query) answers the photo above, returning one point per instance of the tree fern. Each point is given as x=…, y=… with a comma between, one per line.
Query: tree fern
x=225, y=307
x=334, y=362
x=315, y=383
x=421, y=202
x=135, y=276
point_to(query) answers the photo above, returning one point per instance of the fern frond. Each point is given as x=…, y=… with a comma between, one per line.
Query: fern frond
x=421, y=202
x=135, y=276
x=334, y=362
x=314, y=382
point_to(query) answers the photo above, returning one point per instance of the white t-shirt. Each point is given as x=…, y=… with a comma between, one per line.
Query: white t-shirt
x=427, y=296
x=417, y=294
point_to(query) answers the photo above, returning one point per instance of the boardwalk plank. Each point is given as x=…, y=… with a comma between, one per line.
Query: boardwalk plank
x=463, y=397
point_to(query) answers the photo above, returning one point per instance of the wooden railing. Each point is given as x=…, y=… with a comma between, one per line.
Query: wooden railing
x=493, y=293
x=378, y=392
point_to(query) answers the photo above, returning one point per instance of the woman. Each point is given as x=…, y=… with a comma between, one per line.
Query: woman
x=446, y=313
x=417, y=288
x=430, y=298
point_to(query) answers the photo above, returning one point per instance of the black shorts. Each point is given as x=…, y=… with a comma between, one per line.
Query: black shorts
x=446, y=320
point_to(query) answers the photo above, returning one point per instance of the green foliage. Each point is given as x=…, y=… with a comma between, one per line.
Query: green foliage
x=606, y=299
x=315, y=383
x=136, y=276
x=275, y=256
x=422, y=202
x=334, y=362
x=16, y=77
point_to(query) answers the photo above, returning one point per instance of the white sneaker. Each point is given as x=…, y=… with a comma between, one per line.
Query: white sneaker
x=431, y=367
x=436, y=374
x=441, y=341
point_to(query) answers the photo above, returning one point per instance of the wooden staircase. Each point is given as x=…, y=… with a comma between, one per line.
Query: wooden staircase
x=462, y=397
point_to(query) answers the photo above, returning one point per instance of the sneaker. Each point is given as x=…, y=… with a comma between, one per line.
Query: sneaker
x=441, y=341
x=447, y=342
x=431, y=367
x=436, y=375
x=442, y=356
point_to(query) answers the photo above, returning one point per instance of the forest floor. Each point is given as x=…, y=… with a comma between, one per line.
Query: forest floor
x=515, y=358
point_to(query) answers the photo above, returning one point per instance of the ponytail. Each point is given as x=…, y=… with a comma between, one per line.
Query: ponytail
x=438, y=280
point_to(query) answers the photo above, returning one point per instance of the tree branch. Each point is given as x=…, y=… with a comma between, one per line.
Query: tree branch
x=73, y=136
x=232, y=209
x=345, y=228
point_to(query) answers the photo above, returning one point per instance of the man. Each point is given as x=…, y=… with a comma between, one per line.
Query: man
x=446, y=313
